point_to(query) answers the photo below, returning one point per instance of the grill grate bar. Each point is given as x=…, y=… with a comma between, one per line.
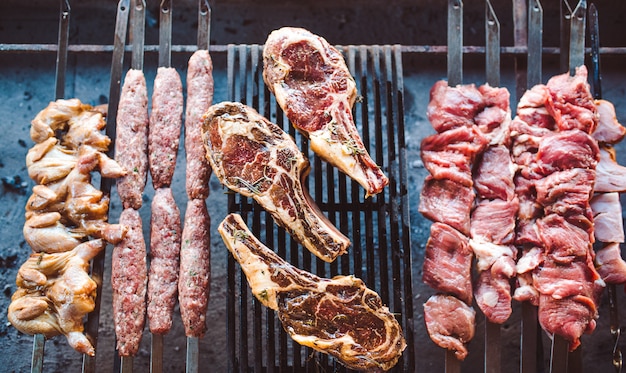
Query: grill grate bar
x=378, y=225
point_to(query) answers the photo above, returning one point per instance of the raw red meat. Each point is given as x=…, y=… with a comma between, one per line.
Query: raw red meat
x=313, y=86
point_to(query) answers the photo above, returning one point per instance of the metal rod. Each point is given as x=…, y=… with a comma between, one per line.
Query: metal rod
x=97, y=267
x=126, y=364
x=529, y=346
x=614, y=324
x=61, y=63
x=566, y=16
x=204, y=25
x=535, y=42
x=558, y=354
x=39, y=340
x=38, y=351
x=193, y=352
x=492, y=62
x=165, y=34
x=452, y=365
x=492, y=45
x=577, y=37
x=138, y=28
x=156, y=353
x=221, y=48
x=455, y=42
x=594, y=37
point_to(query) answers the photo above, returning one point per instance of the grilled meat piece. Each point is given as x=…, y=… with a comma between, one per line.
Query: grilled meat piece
x=129, y=275
x=313, y=86
x=131, y=144
x=256, y=158
x=165, y=122
x=338, y=316
x=199, y=99
x=165, y=238
x=55, y=293
x=194, y=280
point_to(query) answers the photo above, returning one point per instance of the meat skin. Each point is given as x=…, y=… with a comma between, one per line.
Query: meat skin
x=338, y=316
x=313, y=86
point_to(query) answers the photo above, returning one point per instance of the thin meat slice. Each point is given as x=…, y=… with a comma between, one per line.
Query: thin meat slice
x=452, y=107
x=609, y=130
x=313, y=86
x=566, y=150
x=448, y=262
x=494, y=221
x=447, y=201
x=129, y=275
x=338, y=316
x=195, y=268
x=607, y=217
x=131, y=145
x=610, y=176
x=450, y=154
x=165, y=122
x=256, y=158
x=610, y=264
x=493, y=179
x=199, y=99
x=571, y=103
x=450, y=323
x=165, y=238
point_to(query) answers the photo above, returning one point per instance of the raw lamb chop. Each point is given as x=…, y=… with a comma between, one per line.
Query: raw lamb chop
x=314, y=88
x=256, y=158
x=338, y=316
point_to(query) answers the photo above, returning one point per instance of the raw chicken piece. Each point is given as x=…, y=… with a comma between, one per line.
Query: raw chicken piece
x=338, y=316
x=55, y=293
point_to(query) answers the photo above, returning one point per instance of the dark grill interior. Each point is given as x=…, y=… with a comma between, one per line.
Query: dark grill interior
x=379, y=225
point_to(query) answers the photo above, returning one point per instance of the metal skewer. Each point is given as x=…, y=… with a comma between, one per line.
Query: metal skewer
x=203, y=41
x=566, y=17
x=594, y=36
x=455, y=77
x=97, y=267
x=137, y=33
x=165, y=60
x=560, y=356
x=39, y=340
x=531, y=346
x=492, y=60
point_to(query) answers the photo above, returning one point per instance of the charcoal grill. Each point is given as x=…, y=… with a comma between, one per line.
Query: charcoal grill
x=388, y=235
x=379, y=226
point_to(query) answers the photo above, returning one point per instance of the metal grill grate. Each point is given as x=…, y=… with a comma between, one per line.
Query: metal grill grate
x=378, y=226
